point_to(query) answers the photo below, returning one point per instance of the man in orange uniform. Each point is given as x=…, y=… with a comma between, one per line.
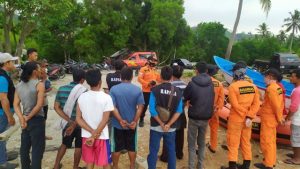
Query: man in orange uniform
x=244, y=100
x=218, y=105
x=148, y=77
x=271, y=116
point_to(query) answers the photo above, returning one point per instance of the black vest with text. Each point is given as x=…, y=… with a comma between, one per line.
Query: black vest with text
x=11, y=88
x=162, y=95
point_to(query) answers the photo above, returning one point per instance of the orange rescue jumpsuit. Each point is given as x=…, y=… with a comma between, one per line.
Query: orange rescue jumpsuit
x=271, y=115
x=146, y=75
x=244, y=100
x=214, y=121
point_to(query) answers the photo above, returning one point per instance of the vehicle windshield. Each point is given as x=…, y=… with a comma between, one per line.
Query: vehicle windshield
x=291, y=59
x=144, y=56
x=185, y=61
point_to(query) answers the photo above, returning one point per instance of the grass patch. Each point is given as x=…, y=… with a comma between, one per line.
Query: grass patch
x=188, y=74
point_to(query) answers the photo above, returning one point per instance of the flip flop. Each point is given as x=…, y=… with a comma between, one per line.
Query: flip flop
x=290, y=155
x=290, y=161
x=210, y=149
x=12, y=155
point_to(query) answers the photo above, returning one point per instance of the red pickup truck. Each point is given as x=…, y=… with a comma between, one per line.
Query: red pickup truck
x=138, y=59
x=133, y=59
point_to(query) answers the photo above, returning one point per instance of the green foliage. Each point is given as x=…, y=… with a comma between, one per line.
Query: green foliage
x=188, y=74
x=91, y=30
x=256, y=48
x=263, y=30
x=211, y=38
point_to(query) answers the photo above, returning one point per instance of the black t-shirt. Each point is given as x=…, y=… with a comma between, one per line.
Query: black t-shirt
x=113, y=79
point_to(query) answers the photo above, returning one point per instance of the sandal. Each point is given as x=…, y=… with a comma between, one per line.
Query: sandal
x=210, y=149
x=290, y=161
x=290, y=155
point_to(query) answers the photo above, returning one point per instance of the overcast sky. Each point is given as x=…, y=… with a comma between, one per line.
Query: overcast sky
x=225, y=11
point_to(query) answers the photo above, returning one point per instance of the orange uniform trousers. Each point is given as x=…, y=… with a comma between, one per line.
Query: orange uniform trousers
x=214, y=126
x=268, y=144
x=238, y=135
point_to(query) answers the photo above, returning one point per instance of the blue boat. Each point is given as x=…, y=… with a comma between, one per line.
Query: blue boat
x=258, y=79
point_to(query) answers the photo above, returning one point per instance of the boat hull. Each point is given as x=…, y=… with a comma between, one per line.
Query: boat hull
x=283, y=131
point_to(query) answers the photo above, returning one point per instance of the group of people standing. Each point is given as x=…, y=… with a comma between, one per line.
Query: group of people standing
x=30, y=92
x=104, y=125
x=245, y=101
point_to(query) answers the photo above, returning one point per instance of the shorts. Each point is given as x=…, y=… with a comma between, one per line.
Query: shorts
x=123, y=140
x=295, y=136
x=99, y=154
x=68, y=140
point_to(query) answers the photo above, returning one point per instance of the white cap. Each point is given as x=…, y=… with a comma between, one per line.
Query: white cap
x=5, y=57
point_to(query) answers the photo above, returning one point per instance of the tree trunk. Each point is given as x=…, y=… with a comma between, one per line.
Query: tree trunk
x=20, y=45
x=65, y=55
x=292, y=39
x=27, y=28
x=7, y=25
x=145, y=44
x=14, y=34
x=232, y=38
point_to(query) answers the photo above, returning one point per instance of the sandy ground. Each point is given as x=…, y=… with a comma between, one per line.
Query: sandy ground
x=212, y=161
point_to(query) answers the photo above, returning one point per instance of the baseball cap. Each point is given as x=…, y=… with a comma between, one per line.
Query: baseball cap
x=5, y=57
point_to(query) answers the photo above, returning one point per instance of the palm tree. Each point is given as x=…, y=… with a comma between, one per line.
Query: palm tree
x=292, y=24
x=263, y=30
x=281, y=36
x=266, y=6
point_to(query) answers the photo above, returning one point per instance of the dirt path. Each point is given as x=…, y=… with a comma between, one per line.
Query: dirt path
x=212, y=161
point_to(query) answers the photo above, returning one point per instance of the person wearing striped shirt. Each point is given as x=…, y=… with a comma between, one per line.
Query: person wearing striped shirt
x=72, y=131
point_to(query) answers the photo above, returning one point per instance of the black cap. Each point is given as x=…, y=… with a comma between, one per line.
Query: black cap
x=239, y=65
x=274, y=73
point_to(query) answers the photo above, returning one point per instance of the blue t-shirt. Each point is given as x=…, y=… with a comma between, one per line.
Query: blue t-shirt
x=4, y=89
x=126, y=97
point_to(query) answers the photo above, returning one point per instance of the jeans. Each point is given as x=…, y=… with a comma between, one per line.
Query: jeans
x=33, y=137
x=3, y=127
x=196, y=132
x=179, y=146
x=169, y=141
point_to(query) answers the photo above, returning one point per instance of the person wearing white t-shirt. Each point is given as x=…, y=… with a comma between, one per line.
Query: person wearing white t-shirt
x=93, y=110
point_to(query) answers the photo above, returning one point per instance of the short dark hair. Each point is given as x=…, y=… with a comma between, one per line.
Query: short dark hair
x=31, y=50
x=201, y=67
x=166, y=73
x=93, y=77
x=212, y=69
x=126, y=73
x=1, y=65
x=119, y=64
x=177, y=71
x=239, y=65
x=297, y=73
x=28, y=69
x=274, y=73
x=78, y=75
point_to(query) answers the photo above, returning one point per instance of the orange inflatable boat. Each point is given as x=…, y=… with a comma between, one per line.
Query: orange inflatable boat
x=283, y=131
